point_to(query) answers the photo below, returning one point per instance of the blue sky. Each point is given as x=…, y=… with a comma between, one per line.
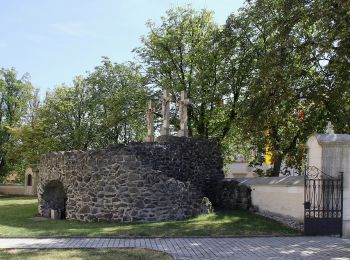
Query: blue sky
x=56, y=40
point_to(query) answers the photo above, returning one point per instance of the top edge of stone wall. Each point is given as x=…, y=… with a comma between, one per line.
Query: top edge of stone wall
x=275, y=181
x=160, y=141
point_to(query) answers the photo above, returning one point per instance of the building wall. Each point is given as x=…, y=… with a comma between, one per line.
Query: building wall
x=284, y=200
x=21, y=189
x=12, y=189
x=279, y=195
x=239, y=170
x=32, y=189
x=243, y=170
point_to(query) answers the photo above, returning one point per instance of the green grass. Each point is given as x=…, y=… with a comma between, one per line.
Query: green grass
x=16, y=215
x=91, y=254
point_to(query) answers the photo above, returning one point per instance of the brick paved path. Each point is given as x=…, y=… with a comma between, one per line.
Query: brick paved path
x=207, y=248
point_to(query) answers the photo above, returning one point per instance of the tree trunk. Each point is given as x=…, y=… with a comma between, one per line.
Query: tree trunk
x=201, y=124
x=2, y=167
x=189, y=121
x=277, y=165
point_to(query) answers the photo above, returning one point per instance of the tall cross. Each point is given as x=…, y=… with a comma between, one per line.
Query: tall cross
x=150, y=122
x=165, y=113
x=184, y=102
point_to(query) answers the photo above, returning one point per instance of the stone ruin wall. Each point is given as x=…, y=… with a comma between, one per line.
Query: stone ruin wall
x=234, y=195
x=169, y=179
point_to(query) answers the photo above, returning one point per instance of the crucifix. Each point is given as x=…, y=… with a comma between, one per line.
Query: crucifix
x=184, y=102
x=165, y=112
x=150, y=122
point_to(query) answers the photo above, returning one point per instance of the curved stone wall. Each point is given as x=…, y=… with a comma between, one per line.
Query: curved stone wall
x=169, y=179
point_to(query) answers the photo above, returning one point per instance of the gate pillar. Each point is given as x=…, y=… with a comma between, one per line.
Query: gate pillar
x=331, y=153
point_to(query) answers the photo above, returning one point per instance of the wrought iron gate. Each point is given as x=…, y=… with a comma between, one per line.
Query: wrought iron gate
x=323, y=203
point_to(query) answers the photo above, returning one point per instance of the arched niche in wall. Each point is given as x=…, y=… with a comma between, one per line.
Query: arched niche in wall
x=54, y=198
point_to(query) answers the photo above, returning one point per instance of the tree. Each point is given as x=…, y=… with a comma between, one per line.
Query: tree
x=15, y=95
x=106, y=107
x=185, y=53
x=277, y=111
x=328, y=38
x=28, y=137
x=69, y=117
x=121, y=92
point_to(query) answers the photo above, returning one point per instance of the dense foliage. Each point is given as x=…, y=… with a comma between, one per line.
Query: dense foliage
x=15, y=96
x=275, y=73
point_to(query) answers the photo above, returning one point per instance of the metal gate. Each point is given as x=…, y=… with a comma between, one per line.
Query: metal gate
x=323, y=203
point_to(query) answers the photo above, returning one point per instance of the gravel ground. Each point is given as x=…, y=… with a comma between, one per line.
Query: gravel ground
x=286, y=220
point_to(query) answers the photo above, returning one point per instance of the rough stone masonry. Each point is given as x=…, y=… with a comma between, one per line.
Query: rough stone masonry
x=173, y=178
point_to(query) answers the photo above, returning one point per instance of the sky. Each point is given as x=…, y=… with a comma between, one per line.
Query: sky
x=56, y=40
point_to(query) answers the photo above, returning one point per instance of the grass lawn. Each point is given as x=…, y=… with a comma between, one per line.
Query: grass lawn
x=16, y=215
x=91, y=254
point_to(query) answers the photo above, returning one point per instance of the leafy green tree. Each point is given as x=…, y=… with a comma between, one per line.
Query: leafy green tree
x=277, y=110
x=185, y=53
x=69, y=117
x=15, y=94
x=328, y=38
x=106, y=107
x=121, y=93
x=28, y=137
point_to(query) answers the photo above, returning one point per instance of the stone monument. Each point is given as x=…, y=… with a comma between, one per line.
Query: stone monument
x=150, y=123
x=138, y=182
x=183, y=105
x=167, y=179
x=165, y=113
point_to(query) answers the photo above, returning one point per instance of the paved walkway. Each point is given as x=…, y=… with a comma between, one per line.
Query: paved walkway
x=207, y=248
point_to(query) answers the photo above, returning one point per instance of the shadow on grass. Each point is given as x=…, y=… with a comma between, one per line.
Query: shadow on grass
x=16, y=220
